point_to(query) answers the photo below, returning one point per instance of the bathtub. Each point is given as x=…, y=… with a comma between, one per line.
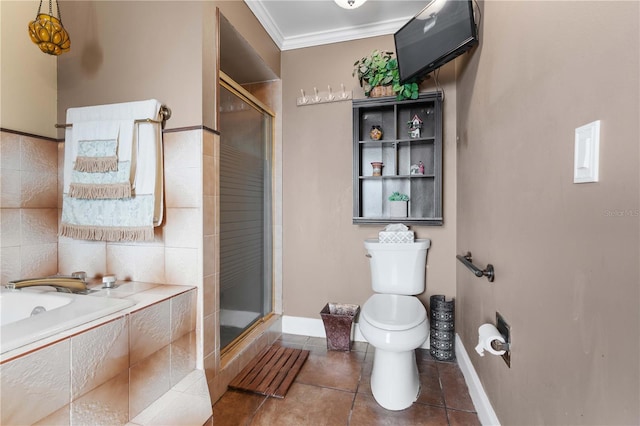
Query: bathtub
x=31, y=315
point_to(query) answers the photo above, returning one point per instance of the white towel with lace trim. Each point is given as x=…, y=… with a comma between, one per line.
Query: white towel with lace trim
x=121, y=219
x=94, y=144
x=102, y=185
x=102, y=159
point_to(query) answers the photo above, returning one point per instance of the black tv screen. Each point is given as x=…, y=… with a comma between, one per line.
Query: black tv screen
x=443, y=30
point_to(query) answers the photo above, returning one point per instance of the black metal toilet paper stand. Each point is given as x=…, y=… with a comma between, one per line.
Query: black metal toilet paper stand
x=442, y=343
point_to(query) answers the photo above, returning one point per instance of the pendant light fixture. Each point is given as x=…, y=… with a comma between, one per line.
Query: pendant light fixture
x=349, y=4
x=48, y=33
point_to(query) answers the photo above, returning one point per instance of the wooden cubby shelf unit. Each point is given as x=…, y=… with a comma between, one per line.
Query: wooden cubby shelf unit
x=399, y=151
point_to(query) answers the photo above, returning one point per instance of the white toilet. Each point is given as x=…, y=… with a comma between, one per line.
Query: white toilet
x=394, y=321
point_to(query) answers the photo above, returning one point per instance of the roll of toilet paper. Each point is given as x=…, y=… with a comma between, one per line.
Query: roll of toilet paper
x=487, y=333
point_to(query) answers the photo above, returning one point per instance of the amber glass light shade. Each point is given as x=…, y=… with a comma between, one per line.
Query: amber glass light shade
x=49, y=34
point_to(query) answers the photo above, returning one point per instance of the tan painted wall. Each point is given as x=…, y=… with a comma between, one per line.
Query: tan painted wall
x=27, y=75
x=566, y=255
x=134, y=50
x=323, y=253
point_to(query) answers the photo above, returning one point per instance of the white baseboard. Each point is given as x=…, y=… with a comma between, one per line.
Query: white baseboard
x=481, y=402
x=314, y=327
x=303, y=326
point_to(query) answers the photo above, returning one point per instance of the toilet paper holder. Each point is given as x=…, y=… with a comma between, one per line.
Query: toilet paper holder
x=496, y=339
x=505, y=330
x=499, y=346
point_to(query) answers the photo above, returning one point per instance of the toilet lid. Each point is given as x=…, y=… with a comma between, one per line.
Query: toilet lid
x=394, y=311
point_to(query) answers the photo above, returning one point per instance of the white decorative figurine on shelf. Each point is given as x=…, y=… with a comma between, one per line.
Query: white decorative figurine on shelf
x=414, y=126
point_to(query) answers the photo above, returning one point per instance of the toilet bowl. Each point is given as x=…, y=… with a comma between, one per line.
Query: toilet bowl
x=395, y=325
x=394, y=321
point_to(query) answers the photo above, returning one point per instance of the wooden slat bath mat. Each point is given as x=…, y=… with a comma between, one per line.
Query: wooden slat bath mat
x=272, y=372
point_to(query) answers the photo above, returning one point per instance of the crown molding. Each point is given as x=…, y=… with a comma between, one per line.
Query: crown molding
x=344, y=34
x=325, y=37
x=267, y=21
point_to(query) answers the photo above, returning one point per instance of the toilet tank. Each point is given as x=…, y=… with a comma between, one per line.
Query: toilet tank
x=398, y=268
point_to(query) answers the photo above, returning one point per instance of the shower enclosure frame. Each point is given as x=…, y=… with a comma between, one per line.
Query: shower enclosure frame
x=268, y=284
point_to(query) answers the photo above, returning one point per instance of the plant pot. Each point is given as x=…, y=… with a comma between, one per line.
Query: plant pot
x=398, y=208
x=380, y=91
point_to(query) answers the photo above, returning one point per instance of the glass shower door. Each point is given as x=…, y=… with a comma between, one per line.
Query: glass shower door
x=245, y=212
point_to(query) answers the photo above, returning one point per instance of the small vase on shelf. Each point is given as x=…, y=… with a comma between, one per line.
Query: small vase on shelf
x=377, y=168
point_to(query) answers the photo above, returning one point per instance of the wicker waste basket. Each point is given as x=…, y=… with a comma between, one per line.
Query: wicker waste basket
x=338, y=320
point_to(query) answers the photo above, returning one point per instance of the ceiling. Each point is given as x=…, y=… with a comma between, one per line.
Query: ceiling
x=294, y=24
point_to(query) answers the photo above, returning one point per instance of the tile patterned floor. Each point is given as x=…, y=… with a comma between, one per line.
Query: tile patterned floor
x=333, y=389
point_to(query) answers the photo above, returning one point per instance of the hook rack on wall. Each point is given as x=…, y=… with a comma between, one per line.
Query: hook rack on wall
x=324, y=97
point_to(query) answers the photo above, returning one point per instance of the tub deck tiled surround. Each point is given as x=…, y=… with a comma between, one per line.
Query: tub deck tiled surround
x=333, y=389
x=135, y=366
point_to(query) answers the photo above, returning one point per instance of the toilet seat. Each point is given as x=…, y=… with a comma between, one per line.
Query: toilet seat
x=394, y=312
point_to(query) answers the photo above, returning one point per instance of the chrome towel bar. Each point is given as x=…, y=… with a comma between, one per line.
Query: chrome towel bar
x=468, y=262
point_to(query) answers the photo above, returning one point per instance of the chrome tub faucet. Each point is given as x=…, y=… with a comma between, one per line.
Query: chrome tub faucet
x=74, y=283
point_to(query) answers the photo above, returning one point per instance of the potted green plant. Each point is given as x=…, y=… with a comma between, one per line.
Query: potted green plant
x=398, y=207
x=379, y=76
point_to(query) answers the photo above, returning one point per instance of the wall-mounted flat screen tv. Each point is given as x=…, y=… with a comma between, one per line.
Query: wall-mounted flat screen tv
x=443, y=30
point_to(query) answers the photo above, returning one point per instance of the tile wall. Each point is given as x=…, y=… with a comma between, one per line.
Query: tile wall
x=31, y=196
x=174, y=257
x=28, y=206
x=211, y=275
